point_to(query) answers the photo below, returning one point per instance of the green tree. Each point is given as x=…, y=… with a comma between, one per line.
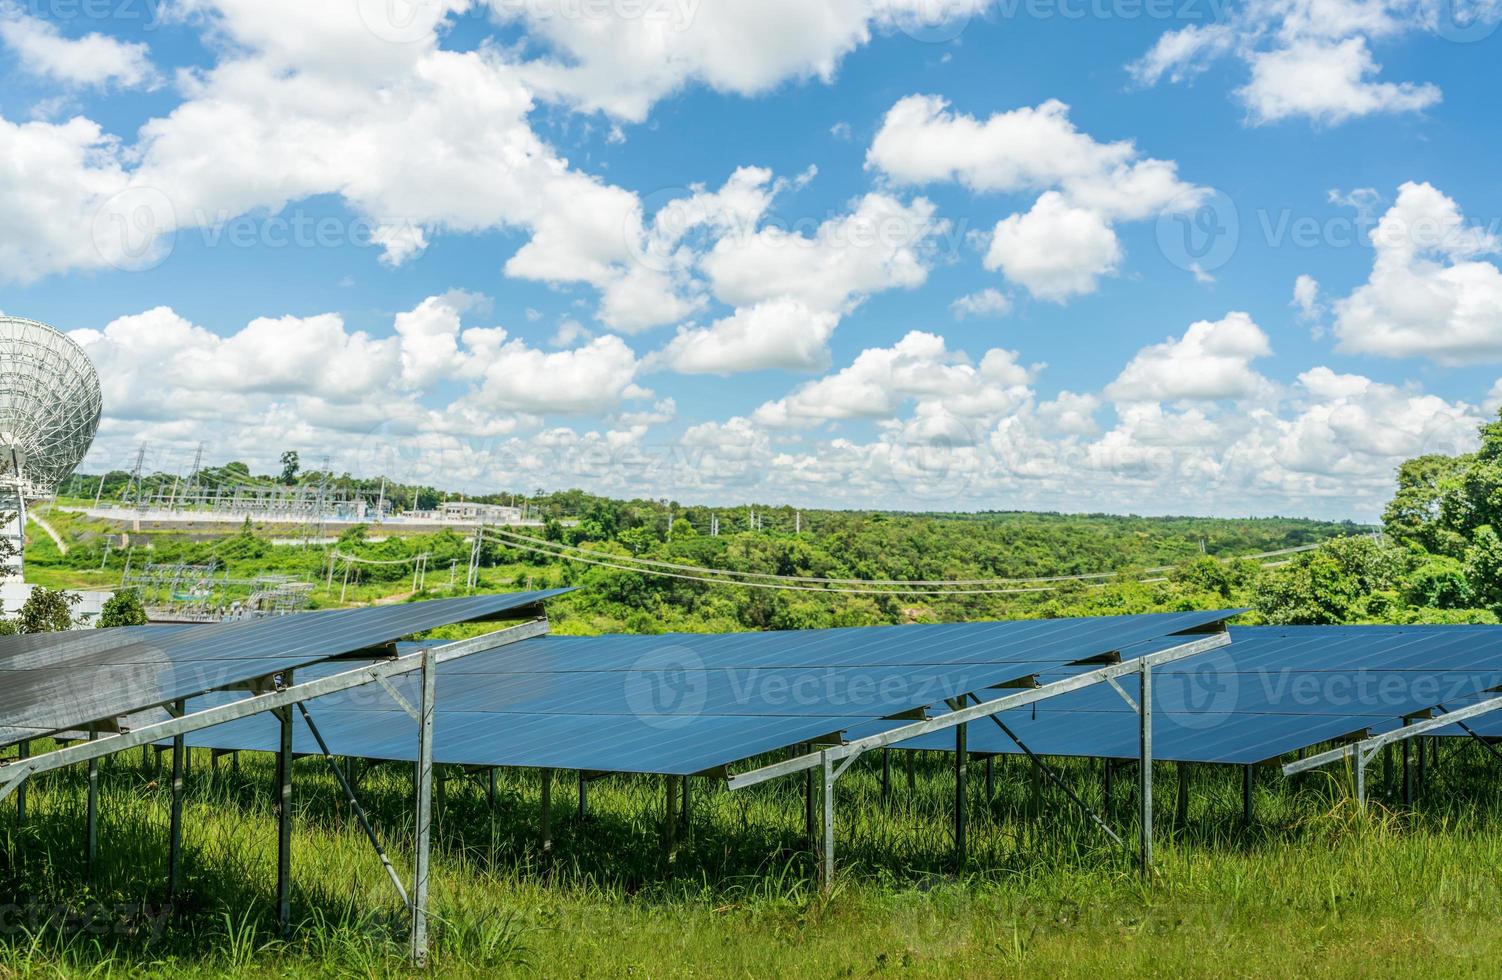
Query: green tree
x=1428, y=509
x=122, y=609
x=47, y=611
x=290, y=466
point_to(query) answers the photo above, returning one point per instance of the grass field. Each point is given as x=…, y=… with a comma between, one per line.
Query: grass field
x=1313, y=888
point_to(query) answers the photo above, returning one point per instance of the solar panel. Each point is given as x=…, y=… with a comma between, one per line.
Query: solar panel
x=100, y=675
x=687, y=703
x=1272, y=691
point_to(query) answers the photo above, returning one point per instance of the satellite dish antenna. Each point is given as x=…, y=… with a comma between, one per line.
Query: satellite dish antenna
x=49, y=411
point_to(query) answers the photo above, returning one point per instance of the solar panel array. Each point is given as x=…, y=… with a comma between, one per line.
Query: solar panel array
x=688, y=703
x=1272, y=691
x=56, y=682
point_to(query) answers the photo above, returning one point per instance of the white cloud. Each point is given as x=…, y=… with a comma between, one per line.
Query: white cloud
x=1430, y=294
x=918, y=367
x=588, y=379
x=1328, y=83
x=985, y=303
x=1212, y=360
x=1306, y=297
x=1307, y=58
x=622, y=58
x=881, y=244
x=1055, y=250
x=1065, y=243
x=56, y=180
x=783, y=333
x=89, y=60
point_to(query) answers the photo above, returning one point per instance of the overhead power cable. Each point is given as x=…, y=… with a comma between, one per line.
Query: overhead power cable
x=563, y=549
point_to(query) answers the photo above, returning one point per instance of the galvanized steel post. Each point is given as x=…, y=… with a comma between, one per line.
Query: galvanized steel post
x=284, y=824
x=1145, y=766
x=175, y=818
x=826, y=863
x=424, y=809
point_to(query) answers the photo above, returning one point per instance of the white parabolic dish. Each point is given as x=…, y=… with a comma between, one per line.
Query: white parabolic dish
x=49, y=405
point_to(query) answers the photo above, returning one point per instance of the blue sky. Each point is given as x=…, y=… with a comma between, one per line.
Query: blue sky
x=907, y=253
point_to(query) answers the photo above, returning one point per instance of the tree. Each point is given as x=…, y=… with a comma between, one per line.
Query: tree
x=290, y=466
x=47, y=611
x=122, y=609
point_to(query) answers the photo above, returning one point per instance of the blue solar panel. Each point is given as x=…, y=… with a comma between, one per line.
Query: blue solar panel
x=94, y=676
x=687, y=703
x=1273, y=690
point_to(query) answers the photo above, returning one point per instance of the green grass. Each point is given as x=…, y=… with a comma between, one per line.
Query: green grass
x=1313, y=888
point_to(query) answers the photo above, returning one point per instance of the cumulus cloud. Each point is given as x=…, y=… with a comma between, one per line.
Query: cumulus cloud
x=622, y=58
x=1308, y=59
x=1055, y=250
x=985, y=303
x=1431, y=293
x=1212, y=360
x=784, y=333
x=1066, y=242
x=92, y=59
x=918, y=367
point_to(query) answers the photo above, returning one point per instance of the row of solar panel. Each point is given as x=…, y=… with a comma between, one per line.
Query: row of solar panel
x=689, y=703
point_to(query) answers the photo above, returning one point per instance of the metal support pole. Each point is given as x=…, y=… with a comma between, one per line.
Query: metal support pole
x=583, y=796
x=1248, y=781
x=22, y=752
x=961, y=767
x=1387, y=769
x=808, y=809
x=826, y=864
x=1181, y=801
x=284, y=826
x=886, y=776
x=990, y=778
x=687, y=809
x=91, y=828
x=424, y=809
x=1407, y=772
x=546, y=831
x=1360, y=761
x=175, y=818
x=1423, y=774
x=669, y=816
x=1145, y=767
x=1108, y=787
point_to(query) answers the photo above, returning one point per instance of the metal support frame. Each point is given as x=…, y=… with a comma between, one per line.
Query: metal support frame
x=1145, y=771
x=423, y=818
x=175, y=821
x=833, y=760
x=669, y=816
x=961, y=814
x=23, y=751
x=545, y=807
x=15, y=773
x=583, y=796
x=1362, y=752
x=284, y=820
x=91, y=819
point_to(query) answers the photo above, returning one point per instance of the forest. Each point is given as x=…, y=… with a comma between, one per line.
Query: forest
x=1436, y=558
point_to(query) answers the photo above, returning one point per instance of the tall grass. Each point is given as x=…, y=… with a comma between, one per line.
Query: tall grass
x=1315, y=884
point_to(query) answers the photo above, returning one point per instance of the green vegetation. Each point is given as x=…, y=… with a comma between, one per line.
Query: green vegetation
x=1312, y=888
